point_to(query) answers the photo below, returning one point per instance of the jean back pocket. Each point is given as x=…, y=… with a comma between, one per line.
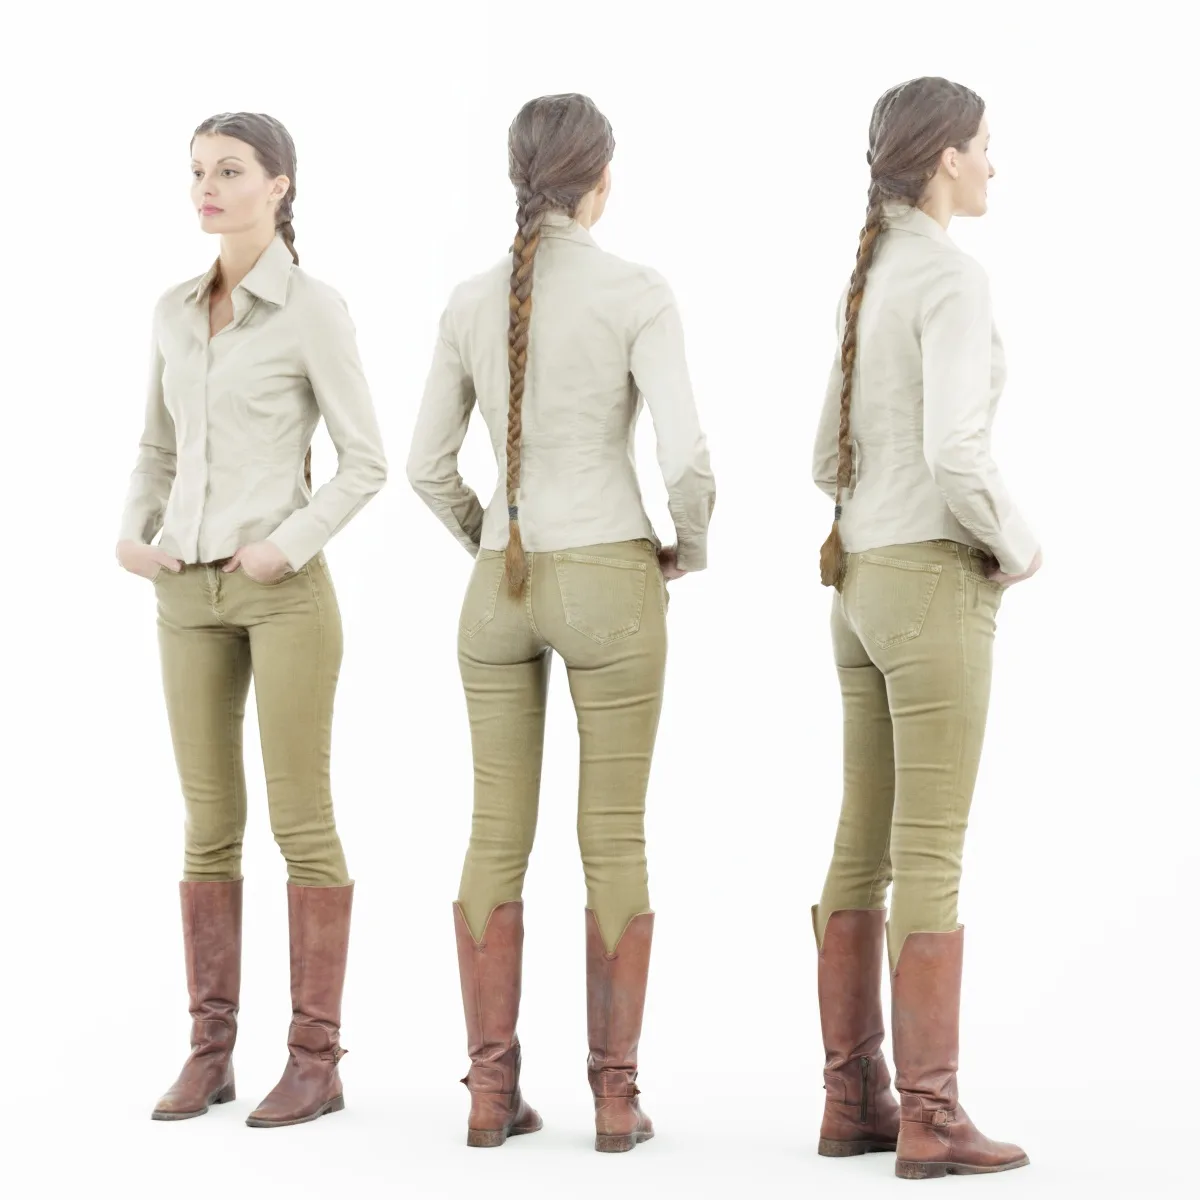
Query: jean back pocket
x=602, y=598
x=479, y=604
x=892, y=597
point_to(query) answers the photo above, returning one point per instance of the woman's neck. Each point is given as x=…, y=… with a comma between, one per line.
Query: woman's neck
x=239, y=253
x=939, y=208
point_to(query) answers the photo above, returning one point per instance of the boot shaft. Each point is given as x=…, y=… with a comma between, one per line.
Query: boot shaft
x=490, y=977
x=212, y=942
x=850, y=984
x=926, y=991
x=319, y=942
x=616, y=1001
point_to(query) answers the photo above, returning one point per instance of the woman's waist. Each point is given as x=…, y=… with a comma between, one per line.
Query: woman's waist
x=867, y=530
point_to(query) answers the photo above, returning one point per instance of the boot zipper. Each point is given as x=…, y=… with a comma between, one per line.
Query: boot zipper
x=862, y=1104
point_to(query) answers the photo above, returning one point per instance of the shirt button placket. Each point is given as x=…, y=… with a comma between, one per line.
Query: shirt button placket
x=202, y=449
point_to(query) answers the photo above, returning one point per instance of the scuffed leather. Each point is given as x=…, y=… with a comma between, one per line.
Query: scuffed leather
x=212, y=941
x=849, y=991
x=934, y=1127
x=319, y=939
x=616, y=1000
x=490, y=976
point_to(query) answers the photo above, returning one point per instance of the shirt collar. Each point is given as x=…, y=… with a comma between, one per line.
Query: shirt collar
x=559, y=225
x=267, y=279
x=913, y=220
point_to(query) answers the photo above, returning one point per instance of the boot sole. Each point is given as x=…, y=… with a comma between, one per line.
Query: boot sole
x=489, y=1139
x=222, y=1097
x=619, y=1143
x=830, y=1148
x=331, y=1106
x=923, y=1170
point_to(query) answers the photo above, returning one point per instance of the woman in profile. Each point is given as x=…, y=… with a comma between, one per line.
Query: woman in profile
x=246, y=359
x=925, y=542
x=558, y=345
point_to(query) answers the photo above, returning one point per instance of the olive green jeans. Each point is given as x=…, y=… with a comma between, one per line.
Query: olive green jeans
x=215, y=631
x=913, y=628
x=603, y=609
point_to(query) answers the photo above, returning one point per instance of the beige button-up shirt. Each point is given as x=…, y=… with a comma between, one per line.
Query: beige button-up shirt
x=229, y=419
x=604, y=336
x=928, y=375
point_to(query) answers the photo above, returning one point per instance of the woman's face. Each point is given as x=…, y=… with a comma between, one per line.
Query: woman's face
x=973, y=170
x=230, y=190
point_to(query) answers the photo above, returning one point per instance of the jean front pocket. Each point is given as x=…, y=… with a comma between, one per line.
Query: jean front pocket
x=892, y=597
x=602, y=598
x=479, y=604
x=271, y=583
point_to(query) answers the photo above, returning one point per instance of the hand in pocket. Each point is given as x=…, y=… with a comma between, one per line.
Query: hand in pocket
x=668, y=560
x=140, y=559
x=263, y=562
x=998, y=576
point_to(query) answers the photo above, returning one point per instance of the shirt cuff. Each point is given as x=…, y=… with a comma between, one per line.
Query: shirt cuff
x=297, y=545
x=1016, y=547
x=692, y=555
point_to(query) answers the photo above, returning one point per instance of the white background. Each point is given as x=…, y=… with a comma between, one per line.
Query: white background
x=739, y=173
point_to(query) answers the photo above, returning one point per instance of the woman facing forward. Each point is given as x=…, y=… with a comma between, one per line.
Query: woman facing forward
x=246, y=359
x=926, y=540
x=558, y=345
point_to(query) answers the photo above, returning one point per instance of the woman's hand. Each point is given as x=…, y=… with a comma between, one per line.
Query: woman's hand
x=264, y=562
x=998, y=576
x=668, y=561
x=146, y=561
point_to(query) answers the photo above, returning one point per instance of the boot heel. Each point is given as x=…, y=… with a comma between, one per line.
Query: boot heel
x=486, y=1138
x=336, y=1104
x=920, y=1170
x=225, y=1095
x=829, y=1148
x=615, y=1143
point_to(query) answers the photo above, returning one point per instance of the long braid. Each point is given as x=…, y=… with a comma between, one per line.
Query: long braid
x=520, y=307
x=287, y=232
x=558, y=150
x=285, y=229
x=833, y=552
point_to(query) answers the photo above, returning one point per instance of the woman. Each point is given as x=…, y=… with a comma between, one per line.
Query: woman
x=566, y=560
x=246, y=359
x=925, y=542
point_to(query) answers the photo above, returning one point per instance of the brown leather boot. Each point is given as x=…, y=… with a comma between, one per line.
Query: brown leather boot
x=861, y=1114
x=936, y=1136
x=490, y=973
x=319, y=929
x=212, y=943
x=616, y=997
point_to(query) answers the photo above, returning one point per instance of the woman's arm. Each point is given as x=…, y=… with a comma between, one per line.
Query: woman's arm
x=437, y=438
x=659, y=368
x=154, y=471
x=825, y=448
x=334, y=370
x=956, y=368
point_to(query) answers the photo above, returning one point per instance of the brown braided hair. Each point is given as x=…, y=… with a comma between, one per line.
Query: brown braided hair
x=911, y=125
x=276, y=154
x=558, y=147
